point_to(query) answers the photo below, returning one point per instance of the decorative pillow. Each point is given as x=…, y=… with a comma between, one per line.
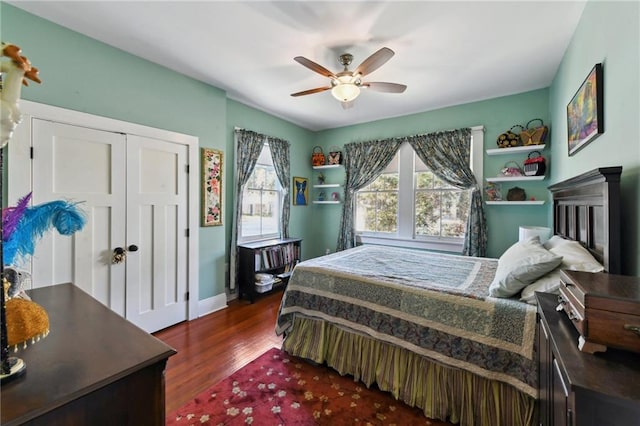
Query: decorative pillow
x=549, y=283
x=522, y=263
x=554, y=241
x=574, y=257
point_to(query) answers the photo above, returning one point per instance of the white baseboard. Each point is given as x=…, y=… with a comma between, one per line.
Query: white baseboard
x=212, y=304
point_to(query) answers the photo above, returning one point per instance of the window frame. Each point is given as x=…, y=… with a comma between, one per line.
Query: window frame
x=263, y=237
x=405, y=234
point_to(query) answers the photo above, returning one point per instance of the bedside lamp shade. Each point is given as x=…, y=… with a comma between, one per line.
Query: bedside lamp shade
x=527, y=232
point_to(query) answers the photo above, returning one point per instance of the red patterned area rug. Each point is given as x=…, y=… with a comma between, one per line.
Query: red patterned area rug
x=278, y=389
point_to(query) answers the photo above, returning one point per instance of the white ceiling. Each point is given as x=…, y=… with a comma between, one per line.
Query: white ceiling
x=447, y=53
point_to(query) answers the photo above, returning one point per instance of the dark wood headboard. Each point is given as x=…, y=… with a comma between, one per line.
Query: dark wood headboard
x=586, y=208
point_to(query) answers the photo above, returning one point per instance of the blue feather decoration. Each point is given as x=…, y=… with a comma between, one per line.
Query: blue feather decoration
x=64, y=216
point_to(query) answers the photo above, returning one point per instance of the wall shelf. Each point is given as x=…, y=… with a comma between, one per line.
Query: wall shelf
x=326, y=202
x=327, y=166
x=514, y=203
x=514, y=178
x=327, y=185
x=515, y=150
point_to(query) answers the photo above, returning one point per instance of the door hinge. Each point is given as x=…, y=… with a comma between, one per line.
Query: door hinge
x=187, y=168
x=186, y=296
x=31, y=153
x=186, y=232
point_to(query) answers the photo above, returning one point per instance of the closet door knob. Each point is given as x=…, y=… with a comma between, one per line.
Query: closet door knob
x=132, y=247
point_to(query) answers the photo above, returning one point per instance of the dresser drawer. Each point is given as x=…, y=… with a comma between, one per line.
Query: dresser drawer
x=604, y=308
x=615, y=329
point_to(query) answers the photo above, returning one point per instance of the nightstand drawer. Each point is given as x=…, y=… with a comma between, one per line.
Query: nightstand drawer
x=614, y=329
x=604, y=308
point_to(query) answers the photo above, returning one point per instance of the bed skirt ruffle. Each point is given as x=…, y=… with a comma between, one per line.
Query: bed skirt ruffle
x=442, y=392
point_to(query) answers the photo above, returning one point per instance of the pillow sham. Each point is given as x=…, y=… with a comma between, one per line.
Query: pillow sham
x=549, y=283
x=574, y=257
x=522, y=263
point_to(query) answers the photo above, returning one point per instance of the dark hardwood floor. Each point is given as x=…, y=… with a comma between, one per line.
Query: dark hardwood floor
x=215, y=346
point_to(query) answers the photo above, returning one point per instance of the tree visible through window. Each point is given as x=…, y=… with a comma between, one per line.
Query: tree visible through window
x=261, y=201
x=407, y=201
x=441, y=210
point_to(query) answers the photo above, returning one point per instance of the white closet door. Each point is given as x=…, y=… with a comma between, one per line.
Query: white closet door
x=157, y=191
x=81, y=164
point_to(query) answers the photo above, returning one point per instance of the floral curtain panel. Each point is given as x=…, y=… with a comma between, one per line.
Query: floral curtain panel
x=364, y=161
x=447, y=155
x=280, y=155
x=248, y=147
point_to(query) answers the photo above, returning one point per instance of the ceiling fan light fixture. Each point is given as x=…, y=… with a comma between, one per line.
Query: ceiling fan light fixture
x=344, y=89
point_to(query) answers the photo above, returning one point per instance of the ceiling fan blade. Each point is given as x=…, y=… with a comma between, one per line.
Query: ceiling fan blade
x=374, y=61
x=380, y=86
x=347, y=105
x=311, y=91
x=314, y=67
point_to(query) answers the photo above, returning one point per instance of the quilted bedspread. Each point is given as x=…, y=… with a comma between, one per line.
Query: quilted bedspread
x=436, y=305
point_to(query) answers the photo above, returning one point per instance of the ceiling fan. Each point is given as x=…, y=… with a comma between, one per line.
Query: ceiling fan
x=345, y=85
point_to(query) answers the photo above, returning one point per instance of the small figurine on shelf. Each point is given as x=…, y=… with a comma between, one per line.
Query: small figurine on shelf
x=335, y=196
x=493, y=191
x=321, y=196
x=320, y=179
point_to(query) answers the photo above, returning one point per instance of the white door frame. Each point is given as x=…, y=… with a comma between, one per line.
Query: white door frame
x=20, y=181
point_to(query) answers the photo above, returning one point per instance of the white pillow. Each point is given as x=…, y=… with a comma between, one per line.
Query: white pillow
x=553, y=242
x=574, y=257
x=522, y=263
x=549, y=283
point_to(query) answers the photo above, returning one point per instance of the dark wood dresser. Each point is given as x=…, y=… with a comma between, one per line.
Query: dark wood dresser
x=578, y=388
x=94, y=368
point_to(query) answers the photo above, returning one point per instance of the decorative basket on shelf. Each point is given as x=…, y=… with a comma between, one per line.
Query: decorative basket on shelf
x=516, y=194
x=535, y=166
x=317, y=157
x=534, y=135
x=509, y=139
x=511, y=169
x=335, y=155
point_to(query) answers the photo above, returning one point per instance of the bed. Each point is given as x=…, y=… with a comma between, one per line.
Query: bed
x=423, y=326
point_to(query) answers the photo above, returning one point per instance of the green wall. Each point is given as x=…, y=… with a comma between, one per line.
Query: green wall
x=609, y=33
x=496, y=115
x=83, y=74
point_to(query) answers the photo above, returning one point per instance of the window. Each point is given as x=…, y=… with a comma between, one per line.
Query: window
x=261, y=201
x=407, y=205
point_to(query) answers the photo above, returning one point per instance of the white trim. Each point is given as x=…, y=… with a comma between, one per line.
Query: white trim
x=516, y=203
x=20, y=181
x=515, y=149
x=514, y=178
x=212, y=304
x=443, y=244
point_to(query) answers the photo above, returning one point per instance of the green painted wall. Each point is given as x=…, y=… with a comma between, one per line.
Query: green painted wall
x=608, y=32
x=82, y=74
x=496, y=115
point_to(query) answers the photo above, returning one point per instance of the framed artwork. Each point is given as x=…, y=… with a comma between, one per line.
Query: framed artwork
x=300, y=191
x=211, y=165
x=585, y=111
